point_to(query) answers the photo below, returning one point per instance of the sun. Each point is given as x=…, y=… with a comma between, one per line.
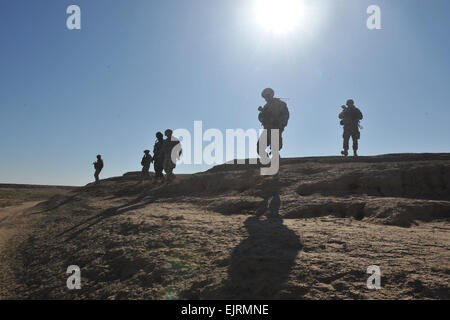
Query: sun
x=279, y=16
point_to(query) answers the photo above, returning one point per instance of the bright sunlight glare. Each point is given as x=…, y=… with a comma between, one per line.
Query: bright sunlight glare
x=280, y=16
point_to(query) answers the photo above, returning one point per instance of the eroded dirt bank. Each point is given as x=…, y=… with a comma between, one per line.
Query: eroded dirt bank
x=309, y=233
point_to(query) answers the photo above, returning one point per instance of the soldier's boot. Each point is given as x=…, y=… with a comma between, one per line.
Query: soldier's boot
x=355, y=153
x=344, y=153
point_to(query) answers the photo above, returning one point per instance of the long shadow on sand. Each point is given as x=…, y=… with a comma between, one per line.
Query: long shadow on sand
x=135, y=204
x=260, y=265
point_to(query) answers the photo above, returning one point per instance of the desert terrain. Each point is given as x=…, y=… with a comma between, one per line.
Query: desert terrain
x=229, y=233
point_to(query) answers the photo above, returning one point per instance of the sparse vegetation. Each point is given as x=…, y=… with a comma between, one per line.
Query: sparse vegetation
x=137, y=240
x=11, y=196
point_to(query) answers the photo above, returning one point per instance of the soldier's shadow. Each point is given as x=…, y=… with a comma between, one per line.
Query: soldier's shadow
x=260, y=265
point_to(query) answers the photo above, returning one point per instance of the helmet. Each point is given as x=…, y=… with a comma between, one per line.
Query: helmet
x=146, y=151
x=99, y=156
x=268, y=93
x=168, y=132
x=159, y=135
x=350, y=102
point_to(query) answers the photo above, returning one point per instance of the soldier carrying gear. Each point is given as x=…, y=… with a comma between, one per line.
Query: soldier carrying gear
x=145, y=162
x=350, y=117
x=158, y=156
x=274, y=115
x=98, y=166
x=172, y=152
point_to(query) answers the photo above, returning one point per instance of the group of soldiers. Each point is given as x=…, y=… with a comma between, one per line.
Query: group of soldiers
x=274, y=115
x=166, y=152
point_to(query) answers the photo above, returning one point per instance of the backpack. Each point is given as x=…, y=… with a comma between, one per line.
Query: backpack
x=350, y=116
x=98, y=165
x=275, y=114
x=146, y=160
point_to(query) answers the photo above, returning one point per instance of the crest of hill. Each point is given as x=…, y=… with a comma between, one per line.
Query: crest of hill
x=394, y=188
x=224, y=232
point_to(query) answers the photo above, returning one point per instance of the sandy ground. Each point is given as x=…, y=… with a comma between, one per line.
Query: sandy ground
x=12, y=219
x=309, y=233
x=15, y=221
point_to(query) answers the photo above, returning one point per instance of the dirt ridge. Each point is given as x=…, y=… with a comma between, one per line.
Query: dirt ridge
x=308, y=233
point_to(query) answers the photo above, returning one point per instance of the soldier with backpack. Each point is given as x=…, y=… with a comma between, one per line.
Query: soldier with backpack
x=172, y=152
x=350, y=117
x=274, y=115
x=158, y=156
x=145, y=162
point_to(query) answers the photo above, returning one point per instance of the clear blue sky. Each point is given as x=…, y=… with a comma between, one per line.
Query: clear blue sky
x=139, y=66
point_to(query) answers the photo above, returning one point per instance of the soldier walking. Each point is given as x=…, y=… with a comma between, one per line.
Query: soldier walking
x=274, y=115
x=98, y=166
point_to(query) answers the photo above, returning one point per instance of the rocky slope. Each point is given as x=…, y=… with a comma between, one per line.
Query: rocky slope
x=308, y=233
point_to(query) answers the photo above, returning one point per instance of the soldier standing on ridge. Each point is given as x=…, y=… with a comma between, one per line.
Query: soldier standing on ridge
x=274, y=115
x=158, y=156
x=98, y=165
x=350, y=117
x=172, y=152
x=145, y=162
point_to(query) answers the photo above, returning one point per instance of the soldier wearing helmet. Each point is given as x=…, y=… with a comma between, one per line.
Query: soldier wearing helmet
x=158, y=156
x=98, y=166
x=171, y=153
x=274, y=115
x=350, y=117
x=145, y=162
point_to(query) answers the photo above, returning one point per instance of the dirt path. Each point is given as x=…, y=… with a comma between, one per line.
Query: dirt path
x=9, y=219
x=14, y=221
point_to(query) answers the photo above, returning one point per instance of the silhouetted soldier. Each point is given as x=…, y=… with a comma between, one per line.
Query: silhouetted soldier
x=274, y=115
x=350, y=117
x=98, y=165
x=145, y=162
x=158, y=156
x=172, y=152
